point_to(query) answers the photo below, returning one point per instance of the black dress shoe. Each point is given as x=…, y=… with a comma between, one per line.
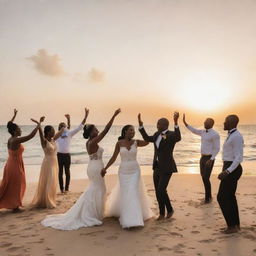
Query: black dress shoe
x=169, y=214
x=231, y=230
x=160, y=217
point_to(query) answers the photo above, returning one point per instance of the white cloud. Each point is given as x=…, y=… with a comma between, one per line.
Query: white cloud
x=47, y=64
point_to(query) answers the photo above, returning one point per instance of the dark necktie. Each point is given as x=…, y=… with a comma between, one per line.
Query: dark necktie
x=229, y=133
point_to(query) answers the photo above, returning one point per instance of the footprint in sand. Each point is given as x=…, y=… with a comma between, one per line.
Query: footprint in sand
x=195, y=232
x=175, y=234
x=94, y=233
x=111, y=238
x=164, y=249
x=207, y=241
x=4, y=245
x=13, y=249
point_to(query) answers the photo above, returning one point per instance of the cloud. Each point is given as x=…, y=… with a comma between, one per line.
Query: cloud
x=47, y=64
x=96, y=76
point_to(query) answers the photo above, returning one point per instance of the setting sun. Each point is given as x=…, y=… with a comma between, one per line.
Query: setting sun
x=204, y=92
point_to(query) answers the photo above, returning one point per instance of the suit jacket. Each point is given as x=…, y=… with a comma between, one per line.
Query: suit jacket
x=163, y=155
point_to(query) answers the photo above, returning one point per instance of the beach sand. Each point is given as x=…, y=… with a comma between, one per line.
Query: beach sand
x=193, y=230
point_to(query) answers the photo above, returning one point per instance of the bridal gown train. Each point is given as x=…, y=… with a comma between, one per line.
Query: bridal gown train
x=129, y=200
x=88, y=209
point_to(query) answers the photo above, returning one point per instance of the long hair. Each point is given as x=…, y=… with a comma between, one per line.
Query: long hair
x=124, y=130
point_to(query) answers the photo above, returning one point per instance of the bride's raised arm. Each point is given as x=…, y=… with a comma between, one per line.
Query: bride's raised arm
x=111, y=160
x=98, y=138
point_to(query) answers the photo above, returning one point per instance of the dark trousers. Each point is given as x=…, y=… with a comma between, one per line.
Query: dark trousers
x=64, y=161
x=226, y=195
x=206, y=174
x=161, y=182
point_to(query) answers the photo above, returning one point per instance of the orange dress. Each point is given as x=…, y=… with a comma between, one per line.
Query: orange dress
x=13, y=185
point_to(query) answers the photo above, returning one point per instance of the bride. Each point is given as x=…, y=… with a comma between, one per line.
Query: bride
x=88, y=209
x=128, y=200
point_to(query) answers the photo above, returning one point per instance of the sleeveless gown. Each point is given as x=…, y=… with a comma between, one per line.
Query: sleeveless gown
x=88, y=209
x=128, y=200
x=13, y=185
x=45, y=196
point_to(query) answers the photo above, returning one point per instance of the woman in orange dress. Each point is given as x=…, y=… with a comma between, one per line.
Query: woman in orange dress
x=13, y=184
x=46, y=193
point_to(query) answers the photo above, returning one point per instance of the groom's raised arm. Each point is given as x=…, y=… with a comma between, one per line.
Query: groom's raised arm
x=142, y=131
x=177, y=134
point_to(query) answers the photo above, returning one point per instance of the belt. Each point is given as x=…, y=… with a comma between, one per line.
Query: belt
x=205, y=155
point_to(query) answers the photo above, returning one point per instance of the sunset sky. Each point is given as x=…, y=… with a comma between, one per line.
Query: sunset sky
x=148, y=56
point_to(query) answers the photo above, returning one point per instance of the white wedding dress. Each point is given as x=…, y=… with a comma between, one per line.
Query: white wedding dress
x=88, y=209
x=128, y=200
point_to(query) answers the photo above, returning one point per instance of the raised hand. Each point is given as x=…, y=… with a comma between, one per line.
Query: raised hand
x=117, y=112
x=42, y=119
x=176, y=116
x=184, y=120
x=67, y=116
x=15, y=111
x=86, y=110
x=139, y=120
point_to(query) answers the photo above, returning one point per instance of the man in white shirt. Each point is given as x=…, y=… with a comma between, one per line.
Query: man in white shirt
x=63, y=143
x=210, y=147
x=232, y=156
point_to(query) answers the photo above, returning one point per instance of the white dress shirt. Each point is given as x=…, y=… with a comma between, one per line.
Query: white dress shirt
x=160, y=137
x=63, y=142
x=233, y=149
x=210, y=141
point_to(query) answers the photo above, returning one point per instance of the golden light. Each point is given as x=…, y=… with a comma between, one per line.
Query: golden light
x=204, y=92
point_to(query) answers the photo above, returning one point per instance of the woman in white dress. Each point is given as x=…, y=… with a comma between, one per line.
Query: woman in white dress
x=128, y=200
x=88, y=209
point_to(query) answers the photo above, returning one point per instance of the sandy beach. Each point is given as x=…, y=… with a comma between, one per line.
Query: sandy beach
x=193, y=230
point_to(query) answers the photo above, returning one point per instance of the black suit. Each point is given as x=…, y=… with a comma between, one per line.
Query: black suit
x=163, y=165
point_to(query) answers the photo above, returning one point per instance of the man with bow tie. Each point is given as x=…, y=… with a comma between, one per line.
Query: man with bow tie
x=63, y=143
x=210, y=146
x=163, y=163
x=232, y=156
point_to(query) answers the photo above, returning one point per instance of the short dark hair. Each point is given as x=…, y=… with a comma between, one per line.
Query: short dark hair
x=12, y=127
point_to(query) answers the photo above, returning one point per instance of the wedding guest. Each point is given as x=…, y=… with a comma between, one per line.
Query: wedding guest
x=45, y=196
x=13, y=184
x=232, y=156
x=64, y=157
x=210, y=146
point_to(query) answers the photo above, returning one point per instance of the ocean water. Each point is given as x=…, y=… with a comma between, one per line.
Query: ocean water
x=187, y=151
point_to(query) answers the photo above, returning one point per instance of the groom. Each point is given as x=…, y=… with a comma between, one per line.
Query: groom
x=163, y=163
